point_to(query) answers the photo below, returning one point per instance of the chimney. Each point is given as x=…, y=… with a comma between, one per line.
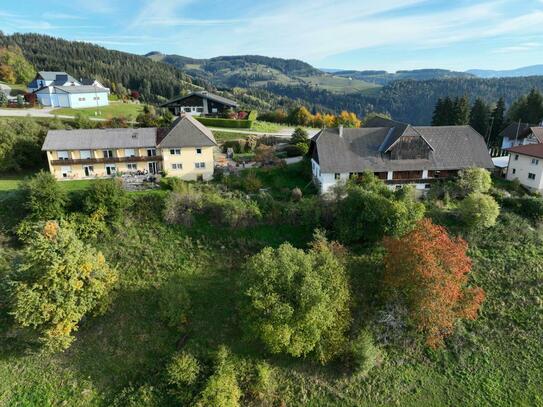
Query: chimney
x=340, y=129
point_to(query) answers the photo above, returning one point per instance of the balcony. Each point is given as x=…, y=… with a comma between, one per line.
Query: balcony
x=415, y=180
x=108, y=160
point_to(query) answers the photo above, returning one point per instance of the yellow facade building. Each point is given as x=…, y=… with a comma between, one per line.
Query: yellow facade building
x=184, y=150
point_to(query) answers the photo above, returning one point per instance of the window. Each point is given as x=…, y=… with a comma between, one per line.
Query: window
x=63, y=155
x=151, y=152
x=199, y=109
x=108, y=153
x=110, y=169
x=132, y=166
x=175, y=151
x=337, y=176
x=199, y=177
x=427, y=186
x=65, y=171
x=531, y=175
x=514, y=171
x=200, y=165
x=535, y=161
x=177, y=166
x=198, y=151
x=96, y=98
x=129, y=152
x=81, y=99
x=516, y=157
x=85, y=154
x=187, y=109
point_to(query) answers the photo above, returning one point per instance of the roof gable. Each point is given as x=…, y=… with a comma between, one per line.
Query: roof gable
x=205, y=95
x=187, y=132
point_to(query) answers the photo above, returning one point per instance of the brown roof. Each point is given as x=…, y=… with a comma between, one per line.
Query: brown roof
x=533, y=150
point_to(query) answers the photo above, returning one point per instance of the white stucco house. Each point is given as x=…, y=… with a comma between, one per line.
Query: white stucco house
x=58, y=89
x=526, y=165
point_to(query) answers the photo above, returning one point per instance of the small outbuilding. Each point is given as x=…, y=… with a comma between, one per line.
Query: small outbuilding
x=201, y=103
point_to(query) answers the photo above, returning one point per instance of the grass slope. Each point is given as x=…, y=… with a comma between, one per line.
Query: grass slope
x=114, y=109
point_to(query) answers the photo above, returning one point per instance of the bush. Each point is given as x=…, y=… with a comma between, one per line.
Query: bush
x=473, y=180
x=528, y=207
x=235, y=145
x=174, y=302
x=43, y=197
x=299, y=136
x=222, y=387
x=294, y=150
x=183, y=370
x=264, y=386
x=253, y=115
x=107, y=196
x=296, y=194
x=180, y=208
x=251, y=183
x=231, y=211
x=228, y=123
x=478, y=210
x=364, y=353
x=298, y=302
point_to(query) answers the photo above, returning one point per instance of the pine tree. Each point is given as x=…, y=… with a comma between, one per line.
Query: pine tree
x=534, y=107
x=448, y=112
x=460, y=111
x=498, y=123
x=479, y=116
x=437, y=117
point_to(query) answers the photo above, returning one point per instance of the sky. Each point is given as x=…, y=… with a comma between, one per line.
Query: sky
x=342, y=34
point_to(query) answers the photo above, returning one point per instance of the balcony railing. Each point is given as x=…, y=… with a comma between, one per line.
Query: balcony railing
x=415, y=180
x=108, y=160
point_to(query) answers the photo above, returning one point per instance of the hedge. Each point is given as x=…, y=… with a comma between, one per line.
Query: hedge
x=230, y=123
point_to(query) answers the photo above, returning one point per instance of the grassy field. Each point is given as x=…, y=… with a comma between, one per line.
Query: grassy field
x=338, y=84
x=114, y=109
x=493, y=361
x=227, y=135
x=16, y=89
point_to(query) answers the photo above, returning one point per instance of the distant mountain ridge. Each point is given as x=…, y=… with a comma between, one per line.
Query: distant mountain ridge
x=532, y=70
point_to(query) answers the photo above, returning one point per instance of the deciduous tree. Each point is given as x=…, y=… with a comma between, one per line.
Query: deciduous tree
x=59, y=281
x=429, y=270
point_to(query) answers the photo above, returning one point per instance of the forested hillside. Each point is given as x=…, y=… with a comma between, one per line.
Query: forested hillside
x=384, y=77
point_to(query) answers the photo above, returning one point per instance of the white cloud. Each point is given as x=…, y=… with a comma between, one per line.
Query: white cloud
x=61, y=16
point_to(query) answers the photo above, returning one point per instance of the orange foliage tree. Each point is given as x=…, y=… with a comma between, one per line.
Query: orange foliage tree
x=430, y=269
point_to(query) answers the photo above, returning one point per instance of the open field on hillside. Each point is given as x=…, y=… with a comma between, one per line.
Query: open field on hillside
x=338, y=84
x=114, y=109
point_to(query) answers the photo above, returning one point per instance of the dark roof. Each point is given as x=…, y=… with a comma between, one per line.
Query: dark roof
x=52, y=75
x=77, y=89
x=92, y=139
x=357, y=150
x=511, y=130
x=536, y=131
x=187, y=132
x=533, y=150
x=205, y=95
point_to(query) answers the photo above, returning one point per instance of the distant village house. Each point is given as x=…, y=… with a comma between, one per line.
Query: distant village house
x=200, y=103
x=526, y=166
x=519, y=134
x=58, y=89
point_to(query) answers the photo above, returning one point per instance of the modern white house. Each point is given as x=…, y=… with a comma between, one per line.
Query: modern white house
x=73, y=96
x=396, y=152
x=526, y=166
x=58, y=89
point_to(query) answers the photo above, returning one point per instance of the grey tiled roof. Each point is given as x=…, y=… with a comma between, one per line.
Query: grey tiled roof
x=187, y=132
x=52, y=75
x=92, y=139
x=358, y=150
x=511, y=130
x=207, y=95
x=78, y=89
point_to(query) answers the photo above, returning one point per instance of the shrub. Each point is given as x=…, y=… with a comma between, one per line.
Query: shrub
x=299, y=136
x=174, y=302
x=529, y=207
x=364, y=353
x=3, y=99
x=222, y=387
x=429, y=271
x=235, y=145
x=180, y=208
x=231, y=211
x=183, y=369
x=143, y=396
x=253, y=115
x=473, y=180
x=264, y=386
x=43, y=197
x=478, y=210
x=296, y=194
x=298, y=302
x=251, y=183
x=60, y=280
x=294, y=150
x=108, y=196
x=368, y=216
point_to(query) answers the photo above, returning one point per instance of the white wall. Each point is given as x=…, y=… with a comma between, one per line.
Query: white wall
x=521, y=167
x=72, y=99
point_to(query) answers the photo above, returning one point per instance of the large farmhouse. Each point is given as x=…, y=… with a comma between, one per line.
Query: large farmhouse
x=184, y=150
x=58, y=89
x=397, y=153
x=200, y=103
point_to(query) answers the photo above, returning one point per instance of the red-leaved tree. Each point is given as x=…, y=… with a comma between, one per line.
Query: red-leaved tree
x=430, y=269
